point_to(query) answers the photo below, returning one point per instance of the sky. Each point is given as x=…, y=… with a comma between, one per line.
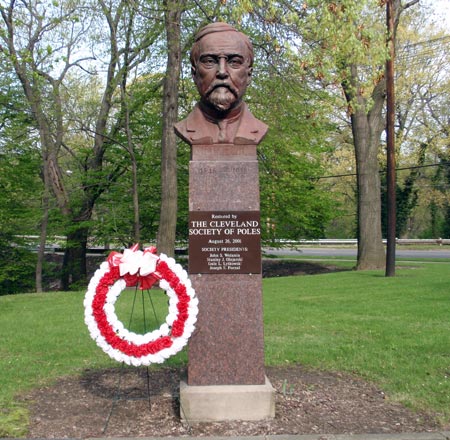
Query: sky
x=442, y=8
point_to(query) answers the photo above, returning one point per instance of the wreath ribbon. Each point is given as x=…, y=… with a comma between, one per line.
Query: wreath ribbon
x=137, y=267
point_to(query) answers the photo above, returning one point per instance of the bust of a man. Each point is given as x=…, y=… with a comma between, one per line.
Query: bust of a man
x=221, y=60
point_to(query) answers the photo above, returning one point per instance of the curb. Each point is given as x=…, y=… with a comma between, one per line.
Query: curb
x=438, y=435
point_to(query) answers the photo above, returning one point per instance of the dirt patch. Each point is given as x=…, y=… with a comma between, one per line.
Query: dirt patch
x=307, y=402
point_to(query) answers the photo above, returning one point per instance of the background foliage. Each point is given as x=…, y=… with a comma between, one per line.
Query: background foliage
x=307, y=162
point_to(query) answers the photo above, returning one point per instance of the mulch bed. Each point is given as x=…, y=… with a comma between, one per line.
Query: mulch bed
x=283, y=268
x=307, y=402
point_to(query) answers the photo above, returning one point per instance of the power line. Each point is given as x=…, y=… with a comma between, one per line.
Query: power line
x=413, y=167
x=427, y=42
x=422, y=49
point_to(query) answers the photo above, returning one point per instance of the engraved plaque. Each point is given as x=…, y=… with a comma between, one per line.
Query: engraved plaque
x=224, y=242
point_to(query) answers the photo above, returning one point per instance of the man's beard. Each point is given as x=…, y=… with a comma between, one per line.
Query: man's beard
x=221, y=99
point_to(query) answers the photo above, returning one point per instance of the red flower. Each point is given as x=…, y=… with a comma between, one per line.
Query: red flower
x=110, y=277
x=178, y=328
x=182, y=308
x=162, y=268
x=180, y=289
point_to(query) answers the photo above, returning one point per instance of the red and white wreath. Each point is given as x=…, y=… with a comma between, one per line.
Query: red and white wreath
x=144, y=268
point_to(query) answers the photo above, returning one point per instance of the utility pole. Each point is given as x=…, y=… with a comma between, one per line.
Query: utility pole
x=390, y=121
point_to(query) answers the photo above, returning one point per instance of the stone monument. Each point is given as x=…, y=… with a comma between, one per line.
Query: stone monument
x=226, y=379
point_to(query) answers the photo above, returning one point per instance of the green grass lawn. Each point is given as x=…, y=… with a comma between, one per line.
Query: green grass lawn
x=394, y=332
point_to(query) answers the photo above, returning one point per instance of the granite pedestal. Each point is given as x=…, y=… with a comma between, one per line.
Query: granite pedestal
x=226, y=379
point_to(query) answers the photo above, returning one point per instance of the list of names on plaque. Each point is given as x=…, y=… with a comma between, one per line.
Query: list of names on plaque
x=224, y=242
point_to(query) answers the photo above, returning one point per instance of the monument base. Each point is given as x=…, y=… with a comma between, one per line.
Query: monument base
x=215, y=403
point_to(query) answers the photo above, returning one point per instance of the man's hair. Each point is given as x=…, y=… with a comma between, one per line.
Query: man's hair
x=218, y=27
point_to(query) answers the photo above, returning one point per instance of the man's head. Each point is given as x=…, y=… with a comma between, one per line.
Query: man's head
x=221, y=60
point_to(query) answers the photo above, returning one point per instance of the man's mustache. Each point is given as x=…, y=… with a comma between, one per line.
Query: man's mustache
x=221, y=84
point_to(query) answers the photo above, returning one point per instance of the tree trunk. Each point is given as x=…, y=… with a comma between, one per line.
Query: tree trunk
x=370, y=246
x=43, y=234
x=136, y=217
x=367, y=127
x=169, y=191
x=74, y=273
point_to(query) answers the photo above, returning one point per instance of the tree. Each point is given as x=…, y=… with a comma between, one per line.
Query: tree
x=44, y=42
x=422, y=117
x=20, y=189
x=169, y=193
x=360, y=65
x=357, y=66
x=421, y=78
x=114, y=214
x=293, y=204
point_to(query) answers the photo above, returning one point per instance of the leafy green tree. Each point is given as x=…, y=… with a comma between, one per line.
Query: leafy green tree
x=421, y=72
x=44, y=42
x=423, y=86
x=113, y=214
x=358, y=66
x=293, y=204
x=20, y=190
x=406, y=199
x=342, y=46
x=14, y=277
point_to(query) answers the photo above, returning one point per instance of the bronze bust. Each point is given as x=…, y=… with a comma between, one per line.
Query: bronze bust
x=221, y=66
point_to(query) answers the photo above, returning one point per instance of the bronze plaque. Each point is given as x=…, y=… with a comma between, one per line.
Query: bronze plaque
x=224, y=242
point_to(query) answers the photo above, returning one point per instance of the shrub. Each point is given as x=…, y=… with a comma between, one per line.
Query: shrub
x=17, y=268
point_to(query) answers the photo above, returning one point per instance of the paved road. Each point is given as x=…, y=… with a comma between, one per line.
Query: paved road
x=345, y=252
